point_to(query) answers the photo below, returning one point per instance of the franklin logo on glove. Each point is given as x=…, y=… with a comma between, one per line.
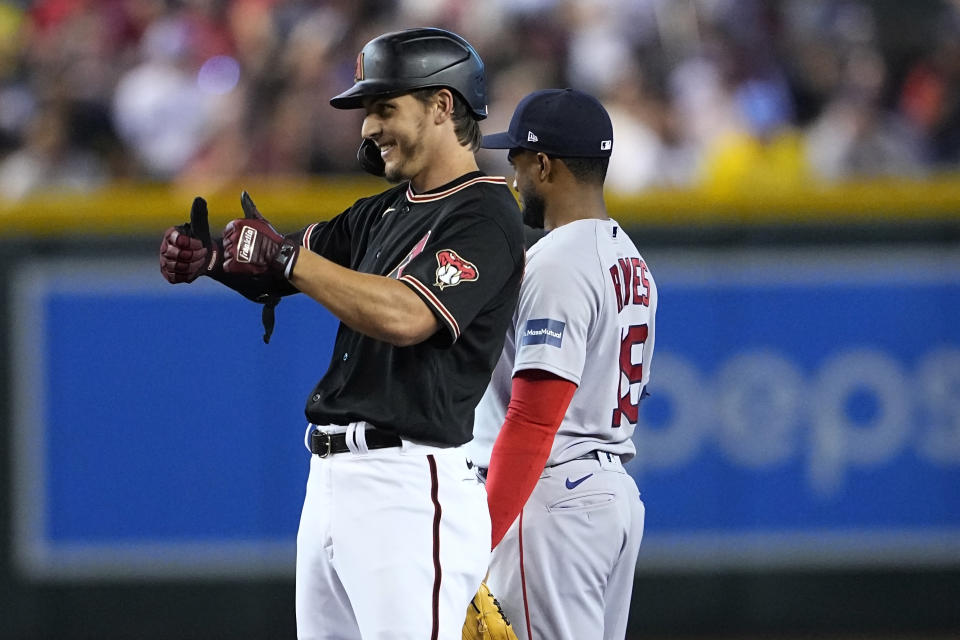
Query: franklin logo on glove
x=247, y=241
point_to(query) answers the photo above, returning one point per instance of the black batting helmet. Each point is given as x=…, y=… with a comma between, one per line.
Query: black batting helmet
x=416, y=59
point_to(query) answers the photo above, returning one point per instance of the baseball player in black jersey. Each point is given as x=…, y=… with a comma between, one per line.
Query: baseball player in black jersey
x=424, y=278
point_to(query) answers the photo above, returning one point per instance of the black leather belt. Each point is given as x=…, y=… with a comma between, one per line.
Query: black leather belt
x=324, y=444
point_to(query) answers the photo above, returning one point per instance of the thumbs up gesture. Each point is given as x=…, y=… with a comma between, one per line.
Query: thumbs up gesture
x=252, y=246
x=187, y=251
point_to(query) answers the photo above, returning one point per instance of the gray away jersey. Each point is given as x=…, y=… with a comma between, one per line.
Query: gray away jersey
x=586, y=313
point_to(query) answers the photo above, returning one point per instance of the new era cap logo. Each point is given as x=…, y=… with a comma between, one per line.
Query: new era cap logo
x=532, y=137
x=606, y=145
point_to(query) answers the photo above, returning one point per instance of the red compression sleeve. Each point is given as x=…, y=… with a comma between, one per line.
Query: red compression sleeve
x=538, y=402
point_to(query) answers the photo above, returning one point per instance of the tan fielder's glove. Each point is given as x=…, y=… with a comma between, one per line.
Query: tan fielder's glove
x=485, y=619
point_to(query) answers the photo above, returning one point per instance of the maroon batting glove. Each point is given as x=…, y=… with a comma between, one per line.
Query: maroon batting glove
x=252, y=246
x=187, y=251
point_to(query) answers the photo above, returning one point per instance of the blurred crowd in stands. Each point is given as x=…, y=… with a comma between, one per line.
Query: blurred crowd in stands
x=723, y=95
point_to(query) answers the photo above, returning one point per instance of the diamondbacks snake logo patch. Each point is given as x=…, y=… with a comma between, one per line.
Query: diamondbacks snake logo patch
x=452, y=269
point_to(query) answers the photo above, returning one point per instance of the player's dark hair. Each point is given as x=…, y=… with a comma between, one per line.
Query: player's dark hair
x=587, y=170
x=464, y=124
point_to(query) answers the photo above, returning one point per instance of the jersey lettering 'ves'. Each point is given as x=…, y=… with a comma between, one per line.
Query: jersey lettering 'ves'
x=630, y=282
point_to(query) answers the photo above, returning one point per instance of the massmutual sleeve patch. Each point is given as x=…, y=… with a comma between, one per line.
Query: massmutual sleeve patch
x=452, y=269
x=542, y=331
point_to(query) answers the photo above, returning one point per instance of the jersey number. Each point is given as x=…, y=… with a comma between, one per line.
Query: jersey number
x=626, y=408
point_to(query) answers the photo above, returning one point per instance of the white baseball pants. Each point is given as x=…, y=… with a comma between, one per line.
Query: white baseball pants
x=393, y=543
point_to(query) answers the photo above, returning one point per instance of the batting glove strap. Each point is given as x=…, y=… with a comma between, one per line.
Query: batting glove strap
x=287, y=258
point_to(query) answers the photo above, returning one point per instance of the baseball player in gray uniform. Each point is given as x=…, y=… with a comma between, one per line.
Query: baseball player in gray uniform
x=563, y=401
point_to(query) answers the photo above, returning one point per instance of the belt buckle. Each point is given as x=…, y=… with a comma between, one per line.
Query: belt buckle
x=321, y=434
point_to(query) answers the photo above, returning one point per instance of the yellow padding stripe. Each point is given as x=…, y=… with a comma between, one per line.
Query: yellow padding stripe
x=292, y=204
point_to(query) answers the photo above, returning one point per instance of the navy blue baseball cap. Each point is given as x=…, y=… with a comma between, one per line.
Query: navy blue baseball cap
x=558, y=122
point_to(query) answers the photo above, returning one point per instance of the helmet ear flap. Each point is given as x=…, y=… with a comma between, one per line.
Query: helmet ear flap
x=369, y=157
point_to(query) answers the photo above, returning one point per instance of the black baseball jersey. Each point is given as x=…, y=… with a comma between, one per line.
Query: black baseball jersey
x=458, y=247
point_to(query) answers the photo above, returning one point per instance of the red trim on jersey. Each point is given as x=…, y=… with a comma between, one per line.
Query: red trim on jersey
x=307, y=234
x=435, y=301
x=538, y=402
x=434, y=495
x=523, y=579
x=430, y=197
